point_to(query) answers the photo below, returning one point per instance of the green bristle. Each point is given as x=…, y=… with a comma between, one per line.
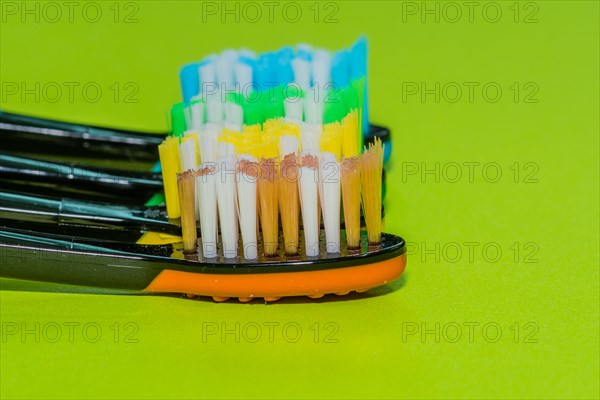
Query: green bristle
x=334, y=106
x=351, y=97
x=272, y=102
x=253, y=111
x=178, y=124
x=359, y=89
x=235, y=97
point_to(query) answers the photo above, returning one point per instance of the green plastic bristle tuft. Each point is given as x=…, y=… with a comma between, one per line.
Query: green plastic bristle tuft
x=272, y=103
x=253, y=110
x=359, y=86
x=334, y=107
x=178, y=124
x=236, y=98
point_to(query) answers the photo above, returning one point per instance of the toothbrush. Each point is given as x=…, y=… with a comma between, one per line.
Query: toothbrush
x=155, y=269
x=75, y=177
x=38, y=135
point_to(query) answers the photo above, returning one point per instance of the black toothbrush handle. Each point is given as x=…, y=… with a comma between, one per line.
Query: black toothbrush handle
x=64, y=212
x=39, y=135
x=81, y=177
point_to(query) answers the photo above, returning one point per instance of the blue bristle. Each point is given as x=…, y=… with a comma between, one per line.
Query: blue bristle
x=359, y=69
x=262, y=75
x=358, y=60
x=190, y=81
x=304, y=55
x=285, y=72
x=285, y=54
x=340, y=69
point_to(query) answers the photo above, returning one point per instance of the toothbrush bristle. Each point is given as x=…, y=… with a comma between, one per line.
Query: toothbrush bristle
x=371, y=170
x=289, y=203
x=268, y=205
x=227, y=205
x=186, y=188
x=274, y=135
x=309, y=202
x=247, y=197
x=207, y=204
x=350, y=169
x=170, y=161
x=329, y=192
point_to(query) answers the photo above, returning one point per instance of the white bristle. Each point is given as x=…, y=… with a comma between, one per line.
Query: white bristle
x=330, y=197
x=314, y=105
x=187, y=115
x=234, y=117
x=214, y=109
x=246, y=186
x=248, y=53
x=321, y=68
x=226, y=150
x=310, y=136
x=213, y=128
x=287, y=145
x=302, y=70
x=310, y=209
x=225, y=65
x=243, y=76
x=187, y=151
x=304, y=47
x=207, y=205
x=208, y=145
x=195, y=115
x=293, y=110
x=227, y=205
x=208, y=77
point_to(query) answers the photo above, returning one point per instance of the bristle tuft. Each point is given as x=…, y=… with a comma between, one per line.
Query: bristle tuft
x=309, y=178
x=371, y=170
x=247, y=197
x=289, y=203
x=207, y=203
x=350, y=169
x=268, y=205
x=186, y=187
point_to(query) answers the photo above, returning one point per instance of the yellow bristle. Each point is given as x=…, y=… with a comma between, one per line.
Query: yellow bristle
x=291, y=129
x=350, y=169
x=170, y=162
x=232, y=137
x=273, y=126
x=289, y=203
x=268, y=148
x=350, y=135
x=254, y=130
x=371, y=170
x=249, y=139
x=186, y=183
x=331, y=139
x=267, y=204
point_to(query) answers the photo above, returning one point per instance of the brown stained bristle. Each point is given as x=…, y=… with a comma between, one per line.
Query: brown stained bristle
x=350, y=169
x=207, y=170
x=310, y=161
x=267, y=205
x=249, y=168
x=186, y=184
x=289, y=203
x=371, y=170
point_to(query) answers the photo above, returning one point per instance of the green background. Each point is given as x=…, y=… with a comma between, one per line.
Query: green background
x=549, y=287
